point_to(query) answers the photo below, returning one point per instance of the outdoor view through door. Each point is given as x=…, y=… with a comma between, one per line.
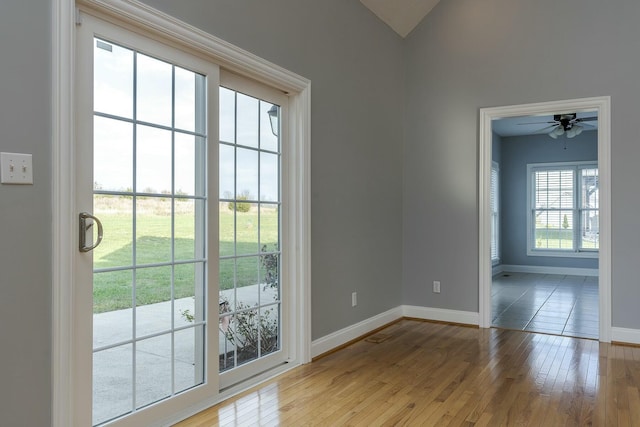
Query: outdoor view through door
x=250, y=217
x=149, y=191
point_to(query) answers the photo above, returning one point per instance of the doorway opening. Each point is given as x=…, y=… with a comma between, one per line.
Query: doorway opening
x=562, y=265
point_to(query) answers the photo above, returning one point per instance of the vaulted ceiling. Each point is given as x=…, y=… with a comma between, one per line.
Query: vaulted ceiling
x=401, y=15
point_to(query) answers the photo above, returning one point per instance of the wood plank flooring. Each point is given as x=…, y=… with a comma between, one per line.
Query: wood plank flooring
x=431, y=374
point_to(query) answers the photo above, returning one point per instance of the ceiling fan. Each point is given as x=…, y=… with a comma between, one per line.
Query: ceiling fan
x=567, y=124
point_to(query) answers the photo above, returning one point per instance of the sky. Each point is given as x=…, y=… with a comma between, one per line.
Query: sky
x=243, y=120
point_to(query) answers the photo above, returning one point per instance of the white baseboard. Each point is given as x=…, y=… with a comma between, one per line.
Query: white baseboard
x=343, y=336
x=441, y=315
x=497, y=269
x=548, y=270
x=625, y=335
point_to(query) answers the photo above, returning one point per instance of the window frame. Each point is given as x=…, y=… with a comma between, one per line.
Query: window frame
x=243, y=86
x=575, y=167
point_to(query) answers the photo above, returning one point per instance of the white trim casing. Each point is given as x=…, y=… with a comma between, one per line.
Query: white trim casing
x=179, y=34
x=603, y=107
x=63, y=129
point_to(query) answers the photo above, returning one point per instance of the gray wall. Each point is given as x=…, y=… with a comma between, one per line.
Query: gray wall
x=25, y=216
x=469, y=54
x=516, y=153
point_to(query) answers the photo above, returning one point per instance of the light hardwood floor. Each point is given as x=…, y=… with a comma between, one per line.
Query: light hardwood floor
x=431, y=374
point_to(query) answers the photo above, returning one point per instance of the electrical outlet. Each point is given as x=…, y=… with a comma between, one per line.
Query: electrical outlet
x=354, y=299
x=436, y=286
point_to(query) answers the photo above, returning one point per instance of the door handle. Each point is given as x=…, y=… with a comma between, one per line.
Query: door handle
x=83, y=231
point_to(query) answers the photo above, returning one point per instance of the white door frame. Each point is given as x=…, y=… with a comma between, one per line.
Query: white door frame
x=64, y=226
x=603, y=107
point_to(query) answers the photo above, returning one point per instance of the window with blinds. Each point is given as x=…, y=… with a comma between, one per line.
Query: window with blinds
x=495, y=211
x=563, y=206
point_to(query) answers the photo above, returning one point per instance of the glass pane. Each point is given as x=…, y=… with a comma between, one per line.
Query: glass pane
x=153, y=161
x=227, y=229
x=116, y=215
x=247, y=174
x=269, y=177
x=227, y=172
x=269, y=263
x=186, y=167
x=185, y=229
x=227, y=280
x=245, y=335
x=269, y=224
x=590, y=231
x=153, y=300
x=185, y=93
x=189, y=293
x=566, y=230
x=590, y=193
x=268, y=141
x=246, y=229
x=567, y=190
x=188, y=358
x=112, y=383
x=226, y=345
x=269, y=330
x=153, y=230
x=269, y=277
x=247, y=123
x=153, y=370
x=540, y=229
x=112, y=302
x=112, y=79
x=227, y=115
x=154, y=85
x=113, y=155
x=247, y=282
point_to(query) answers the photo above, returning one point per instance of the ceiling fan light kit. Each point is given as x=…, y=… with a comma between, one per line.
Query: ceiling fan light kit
x=568, y=124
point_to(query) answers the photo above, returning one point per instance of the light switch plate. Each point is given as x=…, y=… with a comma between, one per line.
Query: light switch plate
x=16, y=168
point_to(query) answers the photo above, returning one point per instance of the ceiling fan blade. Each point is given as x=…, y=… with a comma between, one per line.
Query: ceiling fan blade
x=537, y=123
x=587, y=124
x=548, y=129
x=587, y=119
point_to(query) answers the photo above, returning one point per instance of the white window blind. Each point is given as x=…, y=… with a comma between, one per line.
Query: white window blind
x=495, y=218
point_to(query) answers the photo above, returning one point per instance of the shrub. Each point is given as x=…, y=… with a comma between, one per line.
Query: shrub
x=249, y=332
x=240, y=206
x=269, y=264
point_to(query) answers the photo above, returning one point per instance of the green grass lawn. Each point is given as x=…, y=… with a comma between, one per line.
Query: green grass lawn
x=113, y=289
x=559, y=239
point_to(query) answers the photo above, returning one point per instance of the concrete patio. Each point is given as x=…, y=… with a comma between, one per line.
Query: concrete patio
x=163, y=366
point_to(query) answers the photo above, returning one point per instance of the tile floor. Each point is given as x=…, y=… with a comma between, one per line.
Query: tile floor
x=548, y=303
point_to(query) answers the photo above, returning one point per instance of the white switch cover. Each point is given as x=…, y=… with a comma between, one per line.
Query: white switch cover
x=16, y=168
